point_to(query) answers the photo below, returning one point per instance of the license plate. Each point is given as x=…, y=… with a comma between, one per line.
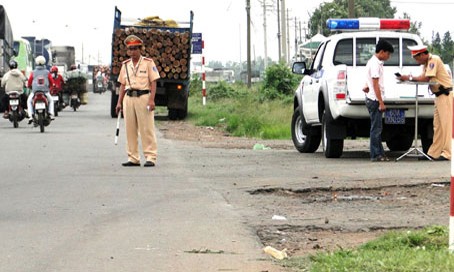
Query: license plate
x=14, y=102
x=395, y=116
x=55, y=98
x=74, y=96
x=40, y=106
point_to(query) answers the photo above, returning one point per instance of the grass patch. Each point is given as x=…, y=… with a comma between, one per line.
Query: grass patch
x=244, y=115
x=423, y=250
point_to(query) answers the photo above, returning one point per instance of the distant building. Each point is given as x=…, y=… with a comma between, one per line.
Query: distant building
x=307, y=50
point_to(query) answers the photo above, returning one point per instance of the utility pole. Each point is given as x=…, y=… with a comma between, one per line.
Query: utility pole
x=264, y=34
x=288, y=36
x=296, y=39
x=249, y=70
x=283, y=30
x=351, y=8
x=278, y=31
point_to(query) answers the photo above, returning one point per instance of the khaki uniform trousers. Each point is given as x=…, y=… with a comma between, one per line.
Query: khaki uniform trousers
x=139, y=121
x=441, y=145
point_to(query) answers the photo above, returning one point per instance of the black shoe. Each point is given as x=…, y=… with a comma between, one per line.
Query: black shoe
x=30, y=121
x=149, y=164
x=128, y=163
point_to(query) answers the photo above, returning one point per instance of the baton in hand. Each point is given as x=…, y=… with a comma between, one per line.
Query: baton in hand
x=118, y=128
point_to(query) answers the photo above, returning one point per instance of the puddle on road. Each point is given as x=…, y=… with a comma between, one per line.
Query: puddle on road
x=329, y=194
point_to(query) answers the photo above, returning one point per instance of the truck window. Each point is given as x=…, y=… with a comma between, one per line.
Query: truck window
x=343, y=53
x=317, y=63
x=406, y=54
x=365, y=49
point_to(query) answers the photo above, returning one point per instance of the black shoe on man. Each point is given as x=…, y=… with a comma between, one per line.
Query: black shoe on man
x=129, y=163
x=149, y=164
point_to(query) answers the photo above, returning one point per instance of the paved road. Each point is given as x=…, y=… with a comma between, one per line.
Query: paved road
x=66, y=204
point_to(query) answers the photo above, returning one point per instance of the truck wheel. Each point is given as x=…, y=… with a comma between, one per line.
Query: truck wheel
x=400, y=142
x=173, y=114
x=331, y=147
x=426, y=133
x=306, y=139
x=113, y=105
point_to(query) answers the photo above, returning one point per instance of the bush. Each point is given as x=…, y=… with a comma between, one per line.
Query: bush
x=279, y=82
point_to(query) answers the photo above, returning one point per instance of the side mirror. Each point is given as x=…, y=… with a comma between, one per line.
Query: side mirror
x=299, y=68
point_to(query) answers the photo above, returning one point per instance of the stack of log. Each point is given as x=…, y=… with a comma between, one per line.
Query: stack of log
x=169, y=50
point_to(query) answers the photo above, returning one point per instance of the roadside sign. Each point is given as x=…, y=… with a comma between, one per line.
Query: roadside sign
x=197, y=43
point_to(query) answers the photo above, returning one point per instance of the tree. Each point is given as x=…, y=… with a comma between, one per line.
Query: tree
x=339, y=9
x=436, y=47
x=448, y=49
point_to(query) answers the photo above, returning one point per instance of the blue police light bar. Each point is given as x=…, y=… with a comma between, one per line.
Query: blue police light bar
x=342, y=24
x=367, y=23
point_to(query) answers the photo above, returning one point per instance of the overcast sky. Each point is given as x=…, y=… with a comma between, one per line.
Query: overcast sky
x=88, y=25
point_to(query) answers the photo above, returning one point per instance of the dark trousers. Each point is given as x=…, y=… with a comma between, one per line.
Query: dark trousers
x=376, y=127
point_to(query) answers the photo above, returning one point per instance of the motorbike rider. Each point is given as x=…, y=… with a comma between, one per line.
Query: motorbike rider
x=13, y=81
x=58, y=83
x=40, y=80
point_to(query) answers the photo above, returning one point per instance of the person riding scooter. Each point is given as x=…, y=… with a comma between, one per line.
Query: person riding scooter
x=13, y=81
x=40, y=80
x=58, y=84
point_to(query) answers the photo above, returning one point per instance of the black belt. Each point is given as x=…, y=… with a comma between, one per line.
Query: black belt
x=443, y=90
x=136, y=93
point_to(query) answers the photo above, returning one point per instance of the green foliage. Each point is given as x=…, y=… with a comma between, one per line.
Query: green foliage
x=420, y=250
x=222, y=90
x=267, y=120
x=339, y=9
x=195, y=86
x=279, y=82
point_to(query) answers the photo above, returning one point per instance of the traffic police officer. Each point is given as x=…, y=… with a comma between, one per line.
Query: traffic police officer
x=138, y=77
x=434, y=71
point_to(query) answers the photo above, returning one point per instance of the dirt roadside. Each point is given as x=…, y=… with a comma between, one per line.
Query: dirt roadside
x=324, y=218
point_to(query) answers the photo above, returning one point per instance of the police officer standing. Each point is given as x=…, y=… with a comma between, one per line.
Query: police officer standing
x=434, y=71
x=138, y=77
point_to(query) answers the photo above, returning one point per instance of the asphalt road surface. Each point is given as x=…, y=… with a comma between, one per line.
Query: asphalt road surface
x=67, y=204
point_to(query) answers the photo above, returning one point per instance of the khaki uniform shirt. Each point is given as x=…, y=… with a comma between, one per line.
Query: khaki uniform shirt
x=141, y=76
x=435, y=69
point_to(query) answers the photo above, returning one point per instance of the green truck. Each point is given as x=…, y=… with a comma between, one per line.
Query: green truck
x=6, y=47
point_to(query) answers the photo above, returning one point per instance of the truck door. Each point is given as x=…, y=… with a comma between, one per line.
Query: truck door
x=312, y=86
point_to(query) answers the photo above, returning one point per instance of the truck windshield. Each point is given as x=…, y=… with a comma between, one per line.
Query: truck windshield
x=365, y=48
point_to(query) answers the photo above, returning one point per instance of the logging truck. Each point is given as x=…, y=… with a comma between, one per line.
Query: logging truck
x=169, y=44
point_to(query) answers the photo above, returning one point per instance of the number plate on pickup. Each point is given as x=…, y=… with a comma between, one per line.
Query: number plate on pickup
x=395, y=116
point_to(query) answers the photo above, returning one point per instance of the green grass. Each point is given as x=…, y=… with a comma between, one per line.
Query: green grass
x=423, y=250
x=244, y=115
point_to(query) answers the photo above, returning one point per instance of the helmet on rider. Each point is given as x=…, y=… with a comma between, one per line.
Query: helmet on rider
x=40, y=60
x=12, y=64
x=54, y=69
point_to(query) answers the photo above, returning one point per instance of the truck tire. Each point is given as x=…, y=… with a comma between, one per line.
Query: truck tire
x=400, y=142
x=173, y=114
x=306, y=139
x=426, y=133
x=182, y=113
x=332, y=148
x=113, y=105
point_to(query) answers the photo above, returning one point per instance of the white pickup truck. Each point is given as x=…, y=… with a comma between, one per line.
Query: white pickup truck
x=329, y=104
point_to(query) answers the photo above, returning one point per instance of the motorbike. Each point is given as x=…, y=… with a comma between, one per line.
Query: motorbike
x=56, y=98
x=41, y=105
x=74, y=100
x=100, y=86
x=15, y=111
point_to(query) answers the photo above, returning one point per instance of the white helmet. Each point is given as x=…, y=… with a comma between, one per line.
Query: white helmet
x=40, y=60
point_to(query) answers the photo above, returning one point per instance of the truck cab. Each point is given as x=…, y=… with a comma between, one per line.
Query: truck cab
x=329, y=104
